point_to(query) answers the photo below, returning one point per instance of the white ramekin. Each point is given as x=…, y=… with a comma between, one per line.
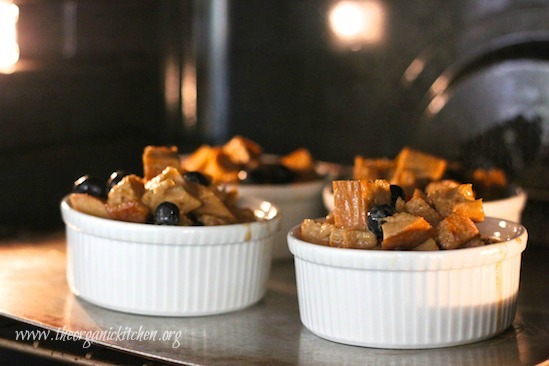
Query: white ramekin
x=296, y=201
x=407, y=299
x=169, y=270
x=509, y=208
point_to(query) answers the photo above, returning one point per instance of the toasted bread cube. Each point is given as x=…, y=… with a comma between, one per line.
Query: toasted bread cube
x=418, y=193
x=419, y=207
x=242, y=151
x=168, y=191
x=243, y=214
x=423, y=165
x=124, y=202
x=156, y=158
x=88, y=204
x=300, y=159
x=130, y=188
x=375, y=193
x=371, y=169
x=169, y=187
x=196, y=161
x=330, y=218
x=169, y=173
x=441, y=185
x=228, y=195
x=405, y=231
x=472, y=209
x=349, y=205
x=352, y=238
x=211, y=204
x=220, y=167
x=400, y=205
x=449, y=199
x=316, y=232
x=490, y=177
x=430, y=244
x=130, y=211
x=490, y=184
x=455, y=231
x=476, y=242
x=327, y=234
x=408, y=181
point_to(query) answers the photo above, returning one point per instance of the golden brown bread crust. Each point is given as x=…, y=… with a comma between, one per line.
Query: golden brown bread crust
x=442, y=219
x=349, y=206
x=413, y=169
x=242, y=151
x=420, y=207
x=130, y=211
x=88, y=204
x=325, y=233
x=371, y=169
x=405, y=231
x=375, y=192
x=455, y=231
x=156, y=158
x=224, y=162
x=135, y=199
x=448, y=199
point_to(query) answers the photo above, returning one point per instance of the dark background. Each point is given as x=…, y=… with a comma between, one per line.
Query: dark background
x=99, y=80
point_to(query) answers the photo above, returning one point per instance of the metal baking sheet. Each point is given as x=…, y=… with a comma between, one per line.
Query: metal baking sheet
x=34, y=290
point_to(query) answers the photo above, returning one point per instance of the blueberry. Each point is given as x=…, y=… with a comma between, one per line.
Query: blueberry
x=166, y=213
x=197, y=177
x=396, y=191
x=267, y=174
x=251, y=176
x=376, y=218
x=90, y=185
x=115, y=178
x=281, y=174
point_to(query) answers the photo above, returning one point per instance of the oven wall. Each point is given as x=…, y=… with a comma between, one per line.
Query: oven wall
x=99, y=80
x=85, y=97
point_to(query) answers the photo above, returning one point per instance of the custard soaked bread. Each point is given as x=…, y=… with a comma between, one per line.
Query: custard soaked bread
x=374, y=214
x=413, y=169
x=167, y=194
x=241, y=160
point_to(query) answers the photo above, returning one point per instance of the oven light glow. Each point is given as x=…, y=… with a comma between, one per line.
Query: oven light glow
x=437, y=104
x=9, y=49
x=355, y=23
x=412, y=72
x=188, y=91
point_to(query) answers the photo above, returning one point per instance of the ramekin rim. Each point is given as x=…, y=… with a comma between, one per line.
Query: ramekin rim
x=350, y=258
x=137, y=229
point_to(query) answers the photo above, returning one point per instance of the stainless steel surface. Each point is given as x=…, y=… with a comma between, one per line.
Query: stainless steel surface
x=34, y=291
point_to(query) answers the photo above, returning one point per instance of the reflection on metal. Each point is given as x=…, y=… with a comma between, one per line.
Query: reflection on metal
x=188, y=91
x=9, y=49
x=440, y=85
x=453, y=57
x=413, y=71
x=357, y=23
x=437, y=104
x=212, y=65
x=36, y=349
x=171, y=84
x=240, y=337
x=70, y=38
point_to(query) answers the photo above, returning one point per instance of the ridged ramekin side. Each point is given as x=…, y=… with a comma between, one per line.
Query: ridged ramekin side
x=170, y=280
x=407, y=309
